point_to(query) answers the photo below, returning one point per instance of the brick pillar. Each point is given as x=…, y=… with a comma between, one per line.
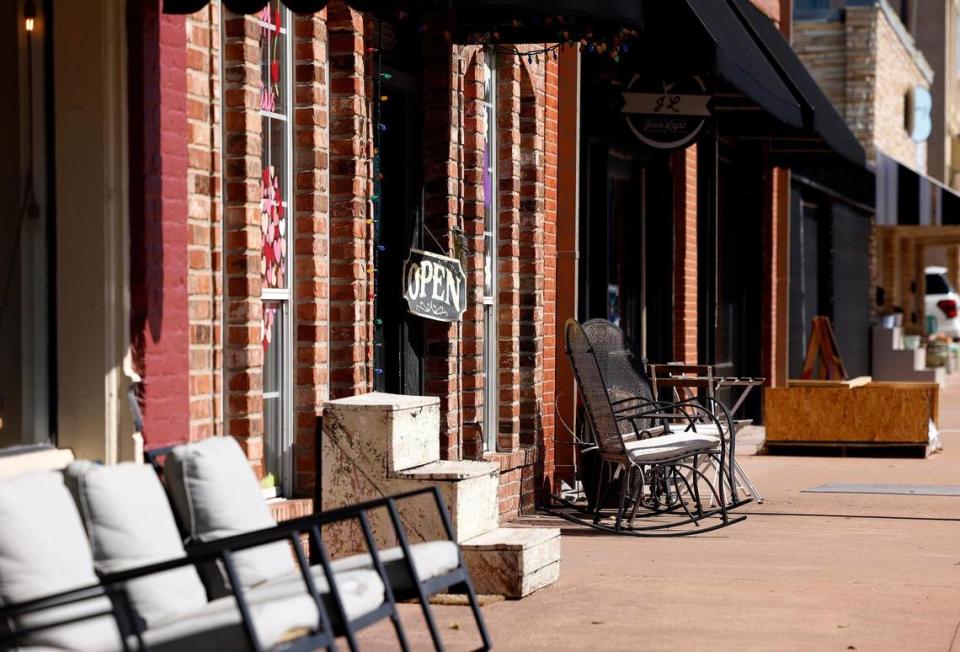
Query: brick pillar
x=204, y=224
x=770, y=299
x=443, y=153
x=684, y=165
x=530, y=263
x=546, y=456
x=351, y=311
x=889, y=266
x=312, y=274
x=159, y=321
x=508, y=250
x=243, y=349
x=475, y=132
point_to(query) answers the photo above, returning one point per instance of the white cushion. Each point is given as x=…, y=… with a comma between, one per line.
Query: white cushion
x=431, y=559
x=665, y=447
x=280, y=608
x=129, y=523
x=43, y=551
x=216, y=494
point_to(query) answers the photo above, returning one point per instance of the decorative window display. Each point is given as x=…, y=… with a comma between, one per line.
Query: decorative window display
x=275, y=75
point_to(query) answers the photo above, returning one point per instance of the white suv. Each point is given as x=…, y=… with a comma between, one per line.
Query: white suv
x=942, y=302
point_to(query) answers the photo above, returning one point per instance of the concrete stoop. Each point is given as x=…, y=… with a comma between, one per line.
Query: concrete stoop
x=470, y=491
x=513, y=562
x=893, y=362
x=381, y=444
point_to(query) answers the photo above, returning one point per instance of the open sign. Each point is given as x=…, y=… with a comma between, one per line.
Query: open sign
x=434, y=286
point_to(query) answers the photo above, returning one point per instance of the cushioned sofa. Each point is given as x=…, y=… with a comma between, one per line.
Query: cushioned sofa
x=92, y=558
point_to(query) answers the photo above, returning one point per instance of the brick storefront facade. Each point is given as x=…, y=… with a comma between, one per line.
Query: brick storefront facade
x=331, y=240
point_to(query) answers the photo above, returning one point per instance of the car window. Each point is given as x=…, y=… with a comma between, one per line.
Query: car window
x=937, y=284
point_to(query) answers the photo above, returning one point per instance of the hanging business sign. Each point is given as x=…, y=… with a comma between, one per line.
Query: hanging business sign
x=434, y=286
x=666, y=114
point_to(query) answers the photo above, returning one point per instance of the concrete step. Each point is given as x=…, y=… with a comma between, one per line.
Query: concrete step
x=513, y=562
x=469, y=489
x=377, y=445
x=405, y=428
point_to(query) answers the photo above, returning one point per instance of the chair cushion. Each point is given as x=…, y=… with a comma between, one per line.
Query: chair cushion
x=44, y=551
x=216, y=495
x=431, y=559
x=666, y=447
x=281, y=609
x=129, y=522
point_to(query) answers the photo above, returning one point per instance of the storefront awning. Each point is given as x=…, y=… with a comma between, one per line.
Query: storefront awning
x=820, y=116
x=743, y=47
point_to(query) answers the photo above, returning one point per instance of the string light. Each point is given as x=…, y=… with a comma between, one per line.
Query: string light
x=29, y=15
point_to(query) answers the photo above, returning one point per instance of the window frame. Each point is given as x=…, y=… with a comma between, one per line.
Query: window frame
x=282, y=459
x=491, y=385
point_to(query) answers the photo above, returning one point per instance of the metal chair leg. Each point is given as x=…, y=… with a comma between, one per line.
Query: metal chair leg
x=624, y=483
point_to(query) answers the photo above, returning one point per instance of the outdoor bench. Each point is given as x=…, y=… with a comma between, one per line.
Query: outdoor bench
x=91, y=558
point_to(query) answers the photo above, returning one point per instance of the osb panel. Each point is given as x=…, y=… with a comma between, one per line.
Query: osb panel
x=876, y=413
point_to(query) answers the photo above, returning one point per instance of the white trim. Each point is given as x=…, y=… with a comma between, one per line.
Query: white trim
x=491, y=309
x=116, y=226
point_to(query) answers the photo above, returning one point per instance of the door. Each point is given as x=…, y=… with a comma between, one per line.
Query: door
x=739, y=267
x=626, y=237
x=400, y=349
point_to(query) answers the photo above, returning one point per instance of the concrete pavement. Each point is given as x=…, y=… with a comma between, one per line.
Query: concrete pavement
x=806, y=571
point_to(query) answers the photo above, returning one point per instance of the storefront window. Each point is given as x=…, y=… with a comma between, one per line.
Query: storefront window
x=491, y=386
x=274, y=259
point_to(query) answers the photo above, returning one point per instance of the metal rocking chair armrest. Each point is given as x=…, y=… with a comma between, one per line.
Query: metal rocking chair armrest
x=53, y=600
x=644, y=433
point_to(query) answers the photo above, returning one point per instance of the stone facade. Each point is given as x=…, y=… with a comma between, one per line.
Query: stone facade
x=866, y=62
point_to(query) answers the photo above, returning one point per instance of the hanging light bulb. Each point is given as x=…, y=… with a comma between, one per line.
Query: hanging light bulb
x=29, y=15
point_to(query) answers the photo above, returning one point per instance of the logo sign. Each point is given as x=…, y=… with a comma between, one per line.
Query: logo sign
x=666, y=114
x=919, y=104
x=434, y=286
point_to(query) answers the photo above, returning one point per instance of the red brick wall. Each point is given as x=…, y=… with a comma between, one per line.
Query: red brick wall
x=684, y=164
x=158, y=231
x=332, y=238
x=549, y=360
x=443, y=103
x=350, y=230
x=508, y=251
x=771, y=301
x=243, y=349
x=311, y=233
x=475, y=131
x=204, y=223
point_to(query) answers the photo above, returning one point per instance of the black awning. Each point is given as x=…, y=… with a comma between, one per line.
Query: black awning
x=741, y=45
x=820, y=116
x=740, y=61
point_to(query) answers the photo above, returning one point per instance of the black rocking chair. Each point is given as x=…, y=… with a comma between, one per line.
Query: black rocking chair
x=654, y=445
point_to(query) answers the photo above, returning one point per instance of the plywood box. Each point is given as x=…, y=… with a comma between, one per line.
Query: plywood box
x=876, y=412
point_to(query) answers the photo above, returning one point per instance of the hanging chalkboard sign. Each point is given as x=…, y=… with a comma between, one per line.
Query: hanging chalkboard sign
x=666, y=114
x=434, y=286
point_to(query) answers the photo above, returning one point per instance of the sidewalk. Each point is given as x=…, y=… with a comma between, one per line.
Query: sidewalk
x=805, y=571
